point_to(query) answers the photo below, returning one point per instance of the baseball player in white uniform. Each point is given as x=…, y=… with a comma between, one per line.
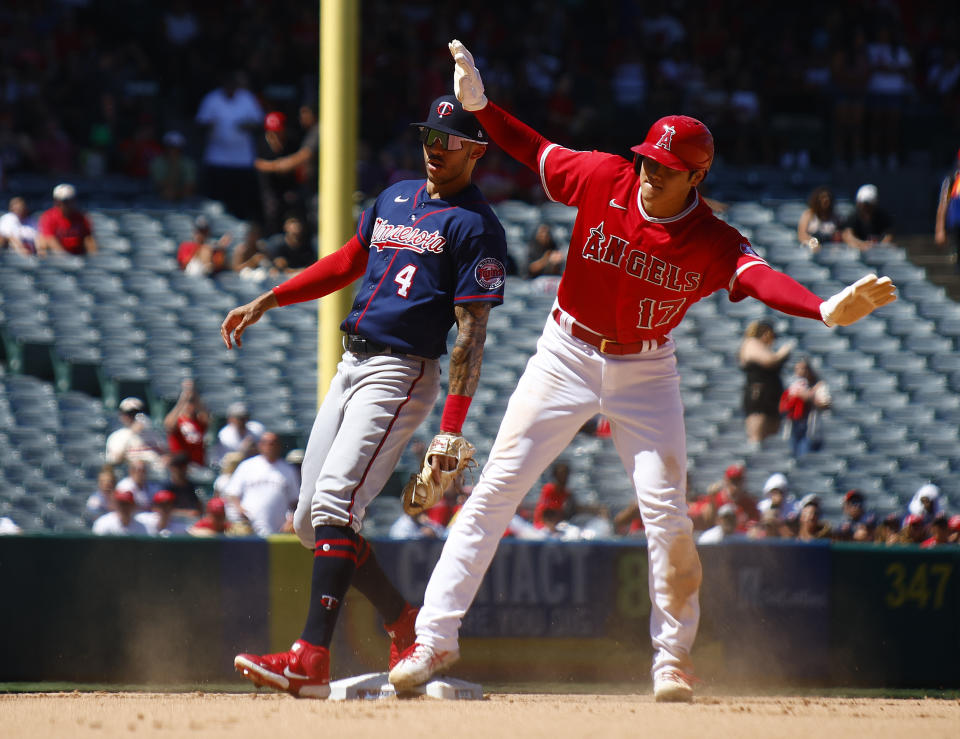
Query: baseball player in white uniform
x=644, y=248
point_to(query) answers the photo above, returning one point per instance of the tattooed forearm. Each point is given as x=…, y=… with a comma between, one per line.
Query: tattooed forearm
x=467, y=353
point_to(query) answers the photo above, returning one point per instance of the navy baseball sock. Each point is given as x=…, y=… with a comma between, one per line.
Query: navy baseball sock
x=372, y=582
x=334, y=562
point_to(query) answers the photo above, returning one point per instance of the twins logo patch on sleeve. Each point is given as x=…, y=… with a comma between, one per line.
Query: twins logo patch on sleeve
x=490, y=273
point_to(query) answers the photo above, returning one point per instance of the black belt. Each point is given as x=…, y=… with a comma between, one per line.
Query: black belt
x=361, y=345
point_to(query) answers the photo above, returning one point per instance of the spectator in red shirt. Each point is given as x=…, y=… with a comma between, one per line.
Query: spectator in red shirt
x=65, y=228
x=703, y=510
x=939, y=532
x=451, y=502
x=954, y=523
x=186, y=424
x=215, y=522
x=201, y=256
x=555, y=496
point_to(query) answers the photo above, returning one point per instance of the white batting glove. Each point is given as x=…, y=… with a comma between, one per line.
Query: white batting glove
x=466, y=78
x=858, y=300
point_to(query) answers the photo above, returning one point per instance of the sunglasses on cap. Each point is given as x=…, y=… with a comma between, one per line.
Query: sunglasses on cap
x=429, y=136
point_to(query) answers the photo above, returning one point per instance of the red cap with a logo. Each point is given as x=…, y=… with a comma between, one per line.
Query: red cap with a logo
x=678, y=142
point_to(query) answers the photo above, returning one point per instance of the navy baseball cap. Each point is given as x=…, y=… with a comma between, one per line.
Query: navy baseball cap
x=447, y=115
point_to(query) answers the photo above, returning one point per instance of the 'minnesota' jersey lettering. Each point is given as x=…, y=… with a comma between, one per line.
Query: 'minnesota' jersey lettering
x=426, y=255
x=629, y=276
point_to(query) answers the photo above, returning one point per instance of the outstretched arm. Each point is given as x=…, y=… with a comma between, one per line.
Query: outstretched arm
x=781, y=292
x=328, y=275
x=284, y=164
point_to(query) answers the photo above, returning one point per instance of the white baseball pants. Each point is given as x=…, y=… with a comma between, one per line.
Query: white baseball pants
x=373, y=406
x=566, y=383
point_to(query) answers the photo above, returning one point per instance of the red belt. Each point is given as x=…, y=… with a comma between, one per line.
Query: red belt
x=607, y=346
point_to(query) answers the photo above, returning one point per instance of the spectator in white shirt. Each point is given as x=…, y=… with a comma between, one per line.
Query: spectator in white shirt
x=416, y=527
x=120, y=522
x=239, y=434
x=231, y=116
x=136, y=437
x=101, y=501
x=137, y=482
x=161, y=521
x=266, y=488
x=8, y=527
x=16, y=232
x=726, y=527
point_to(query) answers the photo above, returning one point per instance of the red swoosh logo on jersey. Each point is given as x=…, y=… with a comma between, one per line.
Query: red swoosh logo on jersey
x=380, y=246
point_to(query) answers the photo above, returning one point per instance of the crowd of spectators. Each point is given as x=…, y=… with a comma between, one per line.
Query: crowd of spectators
x=93, y=86
x=65, y=228
x=159, y=92
x=149, y=484
x=729, y=512
x=866, y=226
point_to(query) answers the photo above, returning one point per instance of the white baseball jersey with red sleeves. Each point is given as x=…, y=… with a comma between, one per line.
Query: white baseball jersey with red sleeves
x=631, y=277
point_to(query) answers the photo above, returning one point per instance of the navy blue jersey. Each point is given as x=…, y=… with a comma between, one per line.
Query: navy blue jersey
x=426, y=255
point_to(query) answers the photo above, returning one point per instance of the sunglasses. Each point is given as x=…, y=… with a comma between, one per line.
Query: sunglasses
x=429, y=136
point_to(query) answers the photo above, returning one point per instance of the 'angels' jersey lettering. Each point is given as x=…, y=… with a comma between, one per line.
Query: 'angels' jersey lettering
x=426, y=255
x=611, y=249
x=631, y=277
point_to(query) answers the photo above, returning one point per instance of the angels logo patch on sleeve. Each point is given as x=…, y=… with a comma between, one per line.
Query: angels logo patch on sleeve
x=490, y=273
x=747, y=249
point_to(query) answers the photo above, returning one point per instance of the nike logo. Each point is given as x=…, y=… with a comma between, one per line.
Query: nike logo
x=613, y=204
x=398, y=199
x=288, y=673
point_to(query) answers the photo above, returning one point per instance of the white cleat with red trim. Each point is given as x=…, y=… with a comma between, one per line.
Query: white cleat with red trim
x=673, y=686
x=418, y=664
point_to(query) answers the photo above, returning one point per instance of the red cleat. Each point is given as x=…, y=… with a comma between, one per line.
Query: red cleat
x=402, y=632
x=304, y=671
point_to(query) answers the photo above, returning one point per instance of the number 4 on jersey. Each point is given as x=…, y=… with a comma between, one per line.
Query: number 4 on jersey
x=404, y=279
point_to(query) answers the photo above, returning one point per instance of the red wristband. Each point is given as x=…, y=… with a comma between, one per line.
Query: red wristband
x=454, y=413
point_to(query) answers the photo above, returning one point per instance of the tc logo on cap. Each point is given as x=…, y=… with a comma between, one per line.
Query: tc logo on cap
x=666, y=138
x=444, y=108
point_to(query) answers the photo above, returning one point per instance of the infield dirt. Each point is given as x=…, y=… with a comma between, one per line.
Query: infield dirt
x=499, y=715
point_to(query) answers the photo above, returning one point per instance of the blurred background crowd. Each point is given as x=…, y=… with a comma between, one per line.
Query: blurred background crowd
x=93, y=86
x=193, y=106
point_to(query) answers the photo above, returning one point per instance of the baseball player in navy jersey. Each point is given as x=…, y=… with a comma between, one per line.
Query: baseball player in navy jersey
x=644, y=248
x=431, y=253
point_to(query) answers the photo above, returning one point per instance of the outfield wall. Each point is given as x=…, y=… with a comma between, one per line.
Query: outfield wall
x=141, y=610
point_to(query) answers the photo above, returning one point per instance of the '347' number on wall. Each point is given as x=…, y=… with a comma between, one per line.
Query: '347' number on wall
x=923, y=587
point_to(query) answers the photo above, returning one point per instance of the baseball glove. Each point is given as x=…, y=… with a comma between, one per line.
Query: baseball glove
x=423, y=491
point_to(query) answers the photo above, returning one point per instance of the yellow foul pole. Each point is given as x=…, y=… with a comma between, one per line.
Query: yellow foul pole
x=339, y=51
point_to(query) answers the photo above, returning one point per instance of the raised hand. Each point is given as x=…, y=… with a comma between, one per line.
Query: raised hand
x=467, y=84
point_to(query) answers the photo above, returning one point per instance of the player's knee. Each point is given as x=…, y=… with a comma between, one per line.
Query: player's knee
x=684, y=571
x=303, y=526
